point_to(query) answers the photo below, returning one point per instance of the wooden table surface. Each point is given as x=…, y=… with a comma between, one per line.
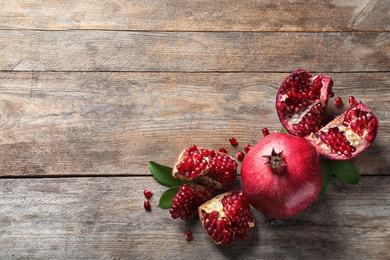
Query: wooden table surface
x=90, y=91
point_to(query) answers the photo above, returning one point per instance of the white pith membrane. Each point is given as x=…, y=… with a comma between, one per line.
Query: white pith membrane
x=215, y=204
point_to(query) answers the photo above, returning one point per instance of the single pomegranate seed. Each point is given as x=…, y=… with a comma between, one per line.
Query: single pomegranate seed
x=222, y=150
x=147, y=205
x=148, y=194
x=233, y=141
x=240, y=156
x=338, y=101
x=188, y=235
x=351, y=100
x=265, y=131
x=247, y=148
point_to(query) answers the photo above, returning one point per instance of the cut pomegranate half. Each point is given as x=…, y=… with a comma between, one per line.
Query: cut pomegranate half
x=301, y=101
x=347, y=135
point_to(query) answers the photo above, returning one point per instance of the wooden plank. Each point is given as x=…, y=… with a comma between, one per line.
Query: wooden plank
x=104, y=218
x=63, y=124
x=193, y=51
x=201, y=15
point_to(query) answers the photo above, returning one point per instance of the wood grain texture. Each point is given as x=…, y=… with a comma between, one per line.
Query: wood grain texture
x=104, y=218
x=193, y=51
x=57, y=124
x=203, y=15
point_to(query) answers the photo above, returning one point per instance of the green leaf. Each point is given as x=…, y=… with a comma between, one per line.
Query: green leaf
x=167, y=197
x=163, y=174
x=345, y=172
x=283, y=130
x=326, y=169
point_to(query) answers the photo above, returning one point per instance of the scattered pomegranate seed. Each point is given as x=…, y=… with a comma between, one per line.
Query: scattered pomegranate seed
x=222, y=150
x=247, y=148
x=188, y=235
x=147, y=205
x=351, y=100
x=338, y=101
x=148, y=194
x=240, y=156
x=265, y=131
x=233, y=141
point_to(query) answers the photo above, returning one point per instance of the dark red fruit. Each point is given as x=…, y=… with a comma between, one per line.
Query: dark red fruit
x=206, y=166
x=265, y=131
x=188, y=235
x=351, y=100
x=338, y=101
x=301, y=101
x=240, y=156
x=233, y=141
x=281, y=176
x=147, y=205
x=247, y=148
x=226, y=216
x=187, y=200
x=348, y=134
x=223, y=150
x=148, y=194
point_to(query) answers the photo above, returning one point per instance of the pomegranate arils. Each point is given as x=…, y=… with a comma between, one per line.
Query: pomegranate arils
x=187, y=200
x=265, y=131
x=206, y=166
x=223, y=169
x=226, y=216
x=302, y=100
x=233, y=141
x=240, y=156
x=351, y=100
x=338, y=101
x=147, y=205
x=222, y=150
x=247, y=148
x=148, y=194
x=188, y=235
x=219, y=230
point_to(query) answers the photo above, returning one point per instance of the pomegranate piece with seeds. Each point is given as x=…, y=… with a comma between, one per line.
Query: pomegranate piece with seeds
x=187, y=200
x=226, y=216
x=347, y=135
x=301, y=103
x=302, y=100
x=206, y=166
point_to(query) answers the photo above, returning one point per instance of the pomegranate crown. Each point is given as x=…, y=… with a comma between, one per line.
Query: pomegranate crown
x=276, y=161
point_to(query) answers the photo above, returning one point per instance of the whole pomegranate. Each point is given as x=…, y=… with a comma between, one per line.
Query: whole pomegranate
x=281, y=175
x=301, y=103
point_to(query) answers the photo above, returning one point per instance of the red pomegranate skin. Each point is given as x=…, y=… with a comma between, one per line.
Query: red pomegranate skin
x=287, y=193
